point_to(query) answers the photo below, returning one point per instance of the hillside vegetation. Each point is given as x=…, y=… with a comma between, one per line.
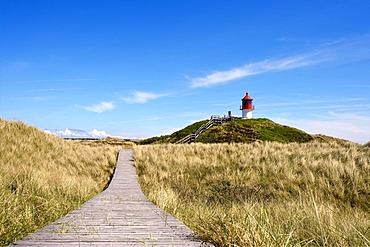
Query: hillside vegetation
x=238, y=130
x=263, y=193
x=44, y=177
x=250, y=130
x=174, y=137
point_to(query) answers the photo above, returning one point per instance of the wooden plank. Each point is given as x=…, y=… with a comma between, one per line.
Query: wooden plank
x=119, y=216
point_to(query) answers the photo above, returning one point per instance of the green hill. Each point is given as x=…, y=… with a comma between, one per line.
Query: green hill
x=238, y=130
x=250, y=130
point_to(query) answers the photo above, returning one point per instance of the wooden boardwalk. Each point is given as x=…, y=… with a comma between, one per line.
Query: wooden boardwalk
x=119, y=216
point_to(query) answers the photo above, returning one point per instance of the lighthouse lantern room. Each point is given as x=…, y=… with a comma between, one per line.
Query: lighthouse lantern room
x=247, y=107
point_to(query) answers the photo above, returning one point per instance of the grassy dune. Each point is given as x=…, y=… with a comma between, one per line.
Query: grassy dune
x=237, y=130
x=250, y=130
x=264, y=193
x=44, y=177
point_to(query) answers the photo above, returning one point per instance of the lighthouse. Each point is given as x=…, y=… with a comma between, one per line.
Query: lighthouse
x=247, y=107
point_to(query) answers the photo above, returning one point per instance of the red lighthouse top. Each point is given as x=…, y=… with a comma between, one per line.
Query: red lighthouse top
x=247, y=97
x=247, y=103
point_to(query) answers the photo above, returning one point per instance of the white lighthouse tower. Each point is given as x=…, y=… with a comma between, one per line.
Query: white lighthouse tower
x=247, y=108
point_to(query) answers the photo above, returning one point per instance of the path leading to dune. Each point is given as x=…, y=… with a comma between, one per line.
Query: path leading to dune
x=119, y=216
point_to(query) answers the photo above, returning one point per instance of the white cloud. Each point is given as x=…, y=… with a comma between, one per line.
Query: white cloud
x=222, y=77
x=99, y=108
x=98, y=134
x=143, y=97
x=49, y=132
x=77, y=133
x=68, y=133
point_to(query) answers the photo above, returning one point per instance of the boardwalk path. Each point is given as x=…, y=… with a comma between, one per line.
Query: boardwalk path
x=119, y=216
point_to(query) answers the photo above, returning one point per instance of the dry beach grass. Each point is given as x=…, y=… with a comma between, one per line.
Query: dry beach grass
x=264, y=193
x=44, y=177
x=257, y=194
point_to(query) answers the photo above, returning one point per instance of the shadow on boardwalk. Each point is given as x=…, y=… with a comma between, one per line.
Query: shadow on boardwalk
x=119, y=216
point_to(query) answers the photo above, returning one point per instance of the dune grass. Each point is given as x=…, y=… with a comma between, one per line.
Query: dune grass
x=263, y=193
x=44, y=177
x=258, y=194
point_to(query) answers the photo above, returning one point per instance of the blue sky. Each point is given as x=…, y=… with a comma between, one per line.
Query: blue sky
x=144, y=68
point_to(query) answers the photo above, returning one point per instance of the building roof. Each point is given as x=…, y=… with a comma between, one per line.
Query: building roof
x=246, y=97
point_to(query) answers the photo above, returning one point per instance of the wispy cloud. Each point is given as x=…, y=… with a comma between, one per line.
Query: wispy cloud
x=99, y=108
x=143, y=97
x=270, y=65
x=343, y=50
